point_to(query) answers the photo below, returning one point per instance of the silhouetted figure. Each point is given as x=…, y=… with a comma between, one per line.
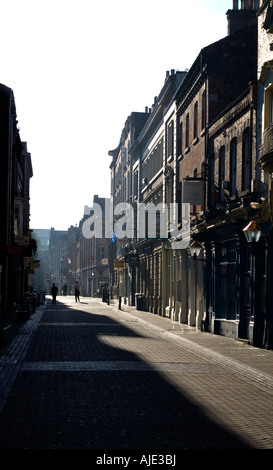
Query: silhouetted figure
x=77, y=292
x=65, y=289
x=54, y=292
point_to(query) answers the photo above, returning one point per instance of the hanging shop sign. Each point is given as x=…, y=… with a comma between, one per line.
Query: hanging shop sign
x=119, y=264
x=192, y=192
x=133, y=260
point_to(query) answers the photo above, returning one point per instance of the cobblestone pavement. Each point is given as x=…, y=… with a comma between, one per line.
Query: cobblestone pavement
x=90, y=376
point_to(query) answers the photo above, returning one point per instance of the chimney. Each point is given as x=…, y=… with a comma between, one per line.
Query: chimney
x=239, y=18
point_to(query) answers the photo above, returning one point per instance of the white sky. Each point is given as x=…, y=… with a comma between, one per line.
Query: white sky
x=78, y=69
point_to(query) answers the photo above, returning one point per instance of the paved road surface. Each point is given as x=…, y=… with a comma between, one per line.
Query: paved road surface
x=90, y=376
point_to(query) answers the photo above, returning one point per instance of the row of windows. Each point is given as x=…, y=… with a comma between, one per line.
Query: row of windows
x=153, y=163
x=185, y=129
x=229, y=173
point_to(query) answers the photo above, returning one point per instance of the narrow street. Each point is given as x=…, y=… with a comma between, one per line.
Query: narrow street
x=90, y=376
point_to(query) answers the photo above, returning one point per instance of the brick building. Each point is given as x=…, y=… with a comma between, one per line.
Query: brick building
x=234, y=304
x=171, y=160
x=219, y=75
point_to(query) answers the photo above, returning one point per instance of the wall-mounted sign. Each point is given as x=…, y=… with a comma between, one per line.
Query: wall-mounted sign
x=15, y=250
x=119, y=264
x=192, y=192
x=133, y=259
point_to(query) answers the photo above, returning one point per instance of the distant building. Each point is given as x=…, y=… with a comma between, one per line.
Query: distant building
x=94, y=252
x=40, y=276
x=43, y=238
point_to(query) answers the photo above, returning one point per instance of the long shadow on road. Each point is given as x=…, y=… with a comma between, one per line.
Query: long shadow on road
x=74, y=391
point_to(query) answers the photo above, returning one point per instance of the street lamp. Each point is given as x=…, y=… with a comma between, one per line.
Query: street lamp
x=252, y=232
x=195, y=249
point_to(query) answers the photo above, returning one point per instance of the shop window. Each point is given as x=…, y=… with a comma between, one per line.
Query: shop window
x=228, y=290
x=228, y=286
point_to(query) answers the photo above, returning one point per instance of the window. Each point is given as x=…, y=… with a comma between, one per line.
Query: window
x=18, y=219
x=170, y=140
x=153, y=163
x=246, y=160
x=195, y=121
x=203, y=110
x=268, y=107
x=195, y=176
x=221, y=172
x=268, y=23
x=187, y=130
x=135, y=183
x=180, y=140
x=233, y=166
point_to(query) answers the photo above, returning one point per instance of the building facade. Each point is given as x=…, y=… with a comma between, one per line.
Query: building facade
x=218, y=76
x=199, y=147
x=189, y=178
x=235, y=307
x=124, y=191
x=265, y=152
x=17, y=247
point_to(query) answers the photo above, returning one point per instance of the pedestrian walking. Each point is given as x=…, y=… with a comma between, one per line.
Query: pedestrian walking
x=54, y=292
x=65, y=289
x=77, y=292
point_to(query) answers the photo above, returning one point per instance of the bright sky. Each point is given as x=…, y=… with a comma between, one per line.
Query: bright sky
x=78, y=69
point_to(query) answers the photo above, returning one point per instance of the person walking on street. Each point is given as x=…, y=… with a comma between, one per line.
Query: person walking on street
x=54, y=291
x=65, y=289
x=77, y=292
